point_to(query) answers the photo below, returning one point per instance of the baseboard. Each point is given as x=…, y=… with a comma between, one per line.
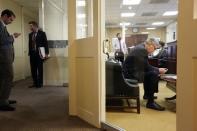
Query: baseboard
x=109, y=127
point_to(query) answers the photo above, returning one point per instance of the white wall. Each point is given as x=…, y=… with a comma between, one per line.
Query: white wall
x=159, y=32
x=21, y=61
x=171, y=32
x=27, y=18
x=54, y=15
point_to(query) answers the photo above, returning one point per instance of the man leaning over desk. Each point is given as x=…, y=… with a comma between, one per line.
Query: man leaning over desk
x=136, y=66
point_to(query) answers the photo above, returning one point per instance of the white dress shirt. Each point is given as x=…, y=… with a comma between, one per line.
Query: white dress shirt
x=6, y=27
x=119, y=45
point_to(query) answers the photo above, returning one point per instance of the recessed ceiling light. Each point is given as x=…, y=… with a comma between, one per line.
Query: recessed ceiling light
x=130, y=7
x=158, y=23
x=81, y=3
x=170, y=13
x=127, y=14
x=150, y=28
x=131, y=2
x=125, y=23
x=81, y=15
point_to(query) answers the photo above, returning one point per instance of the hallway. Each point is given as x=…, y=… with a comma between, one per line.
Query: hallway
x=41, y=109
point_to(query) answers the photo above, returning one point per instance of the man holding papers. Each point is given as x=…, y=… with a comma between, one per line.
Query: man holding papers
x=38, y=51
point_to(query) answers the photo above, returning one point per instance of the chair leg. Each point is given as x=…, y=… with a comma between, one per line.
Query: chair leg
x=138, y=105
x=128, y=103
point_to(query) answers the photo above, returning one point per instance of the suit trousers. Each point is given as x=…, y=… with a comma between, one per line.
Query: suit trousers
x=119, y=56
x=6, y=82
x=36, y=64
x=151, y=81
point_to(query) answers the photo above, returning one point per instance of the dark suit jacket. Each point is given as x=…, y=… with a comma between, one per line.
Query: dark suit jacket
x=162, y=54
x=41, y=41
x=6, y=46
x=136, y=63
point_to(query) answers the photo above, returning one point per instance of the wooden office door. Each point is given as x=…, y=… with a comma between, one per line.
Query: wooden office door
x=85, y=36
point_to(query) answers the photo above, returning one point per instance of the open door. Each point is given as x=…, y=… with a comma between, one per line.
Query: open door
x=85, y=35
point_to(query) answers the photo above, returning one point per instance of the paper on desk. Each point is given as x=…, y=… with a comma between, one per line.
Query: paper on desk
x=169, y=76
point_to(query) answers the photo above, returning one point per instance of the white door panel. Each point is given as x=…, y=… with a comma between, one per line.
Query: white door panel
x=85, y=61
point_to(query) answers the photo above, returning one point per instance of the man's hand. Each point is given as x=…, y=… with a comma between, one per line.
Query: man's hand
x=47, y=56
x=163, y=70
x=16, y=35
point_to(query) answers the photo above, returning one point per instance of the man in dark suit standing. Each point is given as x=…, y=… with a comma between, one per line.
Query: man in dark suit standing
x=37, y=46
x=162, y=55
x=6, y=60
x=136, y=66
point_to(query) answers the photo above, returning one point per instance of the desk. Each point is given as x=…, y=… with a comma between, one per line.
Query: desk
x=171, y=83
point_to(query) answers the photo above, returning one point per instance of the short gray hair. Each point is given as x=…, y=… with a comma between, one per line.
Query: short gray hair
x=153, y=41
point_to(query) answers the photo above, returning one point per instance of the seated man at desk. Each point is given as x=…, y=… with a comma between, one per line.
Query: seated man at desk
x=161, y=55
x=136, y=66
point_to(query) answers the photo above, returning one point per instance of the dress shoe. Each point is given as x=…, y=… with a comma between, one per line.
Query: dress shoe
x=171, y=98
x=38, y=86
x=7, y=108
x=12, y=101
x=32, y=86
x=155, y=106
x=146, y=97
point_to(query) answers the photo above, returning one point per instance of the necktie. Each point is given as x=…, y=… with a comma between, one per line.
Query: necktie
x=8, y=35
x=34, y=41
x=120, y=46
x=6, y=31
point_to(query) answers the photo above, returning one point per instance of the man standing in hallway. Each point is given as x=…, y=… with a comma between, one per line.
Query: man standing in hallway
x=37, y=46
x=119, y=47
x=6, y=60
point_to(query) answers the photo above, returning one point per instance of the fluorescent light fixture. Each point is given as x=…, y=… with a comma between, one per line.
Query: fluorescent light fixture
x=158, y=23
x=125, y=23
x=127, y=14
x=145, y=32
x=81, y=15
x=131, y=2
x=83, y=25
x=81, y=3
x=130, y=7
x=150, y=28
x=170, y=13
